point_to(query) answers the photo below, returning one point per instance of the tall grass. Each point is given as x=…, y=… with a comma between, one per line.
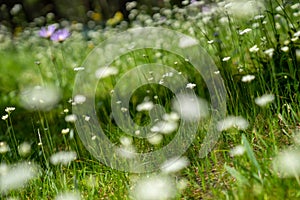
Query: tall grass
x=256, y=171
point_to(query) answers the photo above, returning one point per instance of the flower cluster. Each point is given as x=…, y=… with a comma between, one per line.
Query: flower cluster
x=51, y=33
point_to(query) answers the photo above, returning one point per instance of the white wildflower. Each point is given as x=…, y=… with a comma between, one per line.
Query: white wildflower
x=285, y=49
x=248, y=78
x=247, y=30
x=145, y=106
x=40, y=97
x=65, y=131
x=76, y=69
x=4, y=117
x=172, y=116
x=254, y=49
x=174, y=165
x=226, y=59
x=232, y=122
x=71, y=118
x=187, y=42
x=259, y=17
x=295, y=6
x=287, y=163
x=127, y=151
x=87, y=118
x=164, y=127
x=190, y=107
x=279, y=8
x=155, y=139
x=297, y=34
x=269, y=52
x=4, y=147
x=24, y=149
x=17, y=176
x=126, y=141
x=104, y=72
x=190, y=85
x=9, y=109
x=79, y=99
x=63, y=157
x=155, y=188
x=237, y=151
x=244, y=8
x=264, y=99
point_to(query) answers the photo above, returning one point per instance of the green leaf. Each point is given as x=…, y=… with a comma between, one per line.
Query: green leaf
x=250, y=153
x=242, y=180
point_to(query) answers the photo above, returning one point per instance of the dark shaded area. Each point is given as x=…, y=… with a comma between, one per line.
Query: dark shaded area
x=18, y=13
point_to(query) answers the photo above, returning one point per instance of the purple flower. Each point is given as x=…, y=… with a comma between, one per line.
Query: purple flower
x=47, y=32
x=60, y=35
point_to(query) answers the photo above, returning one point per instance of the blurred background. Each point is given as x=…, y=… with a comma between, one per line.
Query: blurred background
x=19, y=13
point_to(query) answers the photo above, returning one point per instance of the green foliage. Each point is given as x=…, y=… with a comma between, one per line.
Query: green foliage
x=27, y=61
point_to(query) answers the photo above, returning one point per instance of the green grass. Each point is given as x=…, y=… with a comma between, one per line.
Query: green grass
x=28, y=60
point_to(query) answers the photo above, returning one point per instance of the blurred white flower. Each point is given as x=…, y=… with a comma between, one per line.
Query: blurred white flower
x=295, y=6
x=259, y=17
x=172, y=116
x=63, y=157
x=244, y=8
x=285, y=49
x=127, y=151
x=226, y=59
x=237, y=151
x=71, y=118
x=164, y=127
x=145, y=106
x=174, y=165
x=269, y=52
x=287, y=163
x=264, y=99
x=15, y=9
x=155, y=139
x=237, y=122
x=24, y=149
x=9, y=109
x=154, y=188
x=4, y=147
x=65, y=131
x=248, y=78
x=254, y=49
x=76, y=69
x=104, y=72
x=79, y=99
x=126, y=141
x=4, y=117
x=131, y=5
x=190, y=85
x=40, y=97
x=297, y=34
x=190, y=107
x=17, y=176
x=68, y=196
x=187, y=42
x=247, y=30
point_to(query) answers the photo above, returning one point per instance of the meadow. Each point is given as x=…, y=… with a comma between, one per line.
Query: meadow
x=255, y=46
